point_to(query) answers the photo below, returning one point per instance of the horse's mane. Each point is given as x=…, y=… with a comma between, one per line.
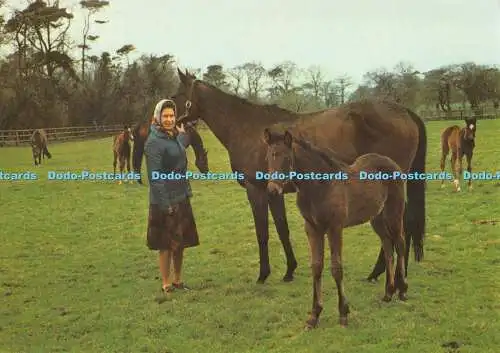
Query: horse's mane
x=330, y=158
x=270, y=108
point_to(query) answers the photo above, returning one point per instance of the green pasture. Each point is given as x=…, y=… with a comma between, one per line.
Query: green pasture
x=76, y=275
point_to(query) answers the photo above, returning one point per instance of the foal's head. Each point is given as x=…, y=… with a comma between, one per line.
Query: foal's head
x=127, y=134
x=279, y=160
x=470, y=129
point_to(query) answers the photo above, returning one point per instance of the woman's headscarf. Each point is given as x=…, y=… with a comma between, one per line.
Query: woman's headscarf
x=164, y=103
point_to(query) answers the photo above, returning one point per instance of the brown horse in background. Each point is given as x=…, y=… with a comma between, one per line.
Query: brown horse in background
x=461, y=142
x=121, y=149
x=141, y=133
x=341, y=201
x=39, y=144
x=352, y=129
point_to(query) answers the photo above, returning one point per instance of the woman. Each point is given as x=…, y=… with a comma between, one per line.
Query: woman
x=171, y=224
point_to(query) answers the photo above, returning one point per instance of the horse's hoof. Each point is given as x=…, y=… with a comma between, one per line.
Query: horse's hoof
x=403, y=297
x=371, y=279
x=119, y=183
x=343, y=321
x=288, y=278
x=386, y=298
x=442, y=186
x=311, y=324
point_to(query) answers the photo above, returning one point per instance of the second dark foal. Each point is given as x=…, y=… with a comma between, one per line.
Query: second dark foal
x=328, y=206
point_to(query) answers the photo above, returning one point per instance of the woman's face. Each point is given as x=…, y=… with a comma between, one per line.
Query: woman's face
x=168, y=119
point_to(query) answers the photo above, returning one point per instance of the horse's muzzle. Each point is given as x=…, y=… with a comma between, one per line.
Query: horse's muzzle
x=274, y=188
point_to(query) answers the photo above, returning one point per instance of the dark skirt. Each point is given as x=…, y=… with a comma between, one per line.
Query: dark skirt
x=168, y=231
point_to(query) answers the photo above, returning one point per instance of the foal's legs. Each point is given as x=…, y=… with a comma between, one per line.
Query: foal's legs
x=122, y=166
x=115, y=157
x=456, y=174
x=335, y=242
x=469, y=168
x=316, y=246
x=445, y=149
x=380, y=228
x=395, y=228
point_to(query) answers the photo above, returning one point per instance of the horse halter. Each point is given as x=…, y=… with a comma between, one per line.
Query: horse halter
x=188, y=104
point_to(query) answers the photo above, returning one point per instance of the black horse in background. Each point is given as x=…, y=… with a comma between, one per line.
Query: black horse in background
x=39, y=144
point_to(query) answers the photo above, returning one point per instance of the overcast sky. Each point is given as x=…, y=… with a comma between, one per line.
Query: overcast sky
x=343, y=37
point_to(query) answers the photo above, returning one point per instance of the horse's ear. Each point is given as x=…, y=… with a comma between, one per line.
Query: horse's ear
x=288, y=139
x=181, y=74
x=267, y=136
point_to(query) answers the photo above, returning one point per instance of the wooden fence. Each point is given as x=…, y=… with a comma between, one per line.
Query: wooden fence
x=58, y=134
x=459, y=116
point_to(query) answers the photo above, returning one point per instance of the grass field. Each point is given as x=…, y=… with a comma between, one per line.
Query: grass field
x=76, y=276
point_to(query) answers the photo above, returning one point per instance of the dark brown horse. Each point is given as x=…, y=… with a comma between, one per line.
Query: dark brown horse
x=39, y=144
x=141, y=133
x=336, y=199
x=461, y=142
x=352, y=130
x=121, y=149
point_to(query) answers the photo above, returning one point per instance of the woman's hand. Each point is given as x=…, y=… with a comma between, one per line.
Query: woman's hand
x=181, y=128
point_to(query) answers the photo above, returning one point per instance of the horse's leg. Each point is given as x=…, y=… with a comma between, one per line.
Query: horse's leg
x=122, y=167
x=115, y=157
x=379, y=225
x=278, y=211
x=40, y=156
x=395, y=228
x=460, y=169
x=128, y=167
x=336, y=243
x=445, y=149
x=316, y=247
x=469, y=168
x=456, y=176
x=258, y=200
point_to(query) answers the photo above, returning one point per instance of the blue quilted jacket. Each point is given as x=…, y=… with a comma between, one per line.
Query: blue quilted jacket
x=164, y=154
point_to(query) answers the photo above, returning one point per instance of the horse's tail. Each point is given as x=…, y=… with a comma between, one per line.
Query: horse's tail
x=414, y=225
x=46, y=151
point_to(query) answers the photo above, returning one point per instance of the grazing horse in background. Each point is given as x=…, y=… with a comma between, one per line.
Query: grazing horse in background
x=352, y=129
x=461, y=141
x=329, y=206
x=39, y=143
x=121, y=149
x=141, y=133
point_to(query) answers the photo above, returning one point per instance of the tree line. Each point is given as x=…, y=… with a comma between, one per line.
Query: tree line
x=49, y=79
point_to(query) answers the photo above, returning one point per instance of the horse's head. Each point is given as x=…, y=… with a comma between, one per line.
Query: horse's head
x=279, y=160
x=187, y=98
x=127, y=133
x=470, y=129
x=201, y=153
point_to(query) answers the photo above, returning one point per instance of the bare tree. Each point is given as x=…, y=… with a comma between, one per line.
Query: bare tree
x=92, y=7
x=255, y=74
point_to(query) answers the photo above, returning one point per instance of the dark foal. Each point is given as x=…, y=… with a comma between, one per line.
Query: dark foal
x=329, y=206
x=39, y=144
x=461, y=142
x=121, y=150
